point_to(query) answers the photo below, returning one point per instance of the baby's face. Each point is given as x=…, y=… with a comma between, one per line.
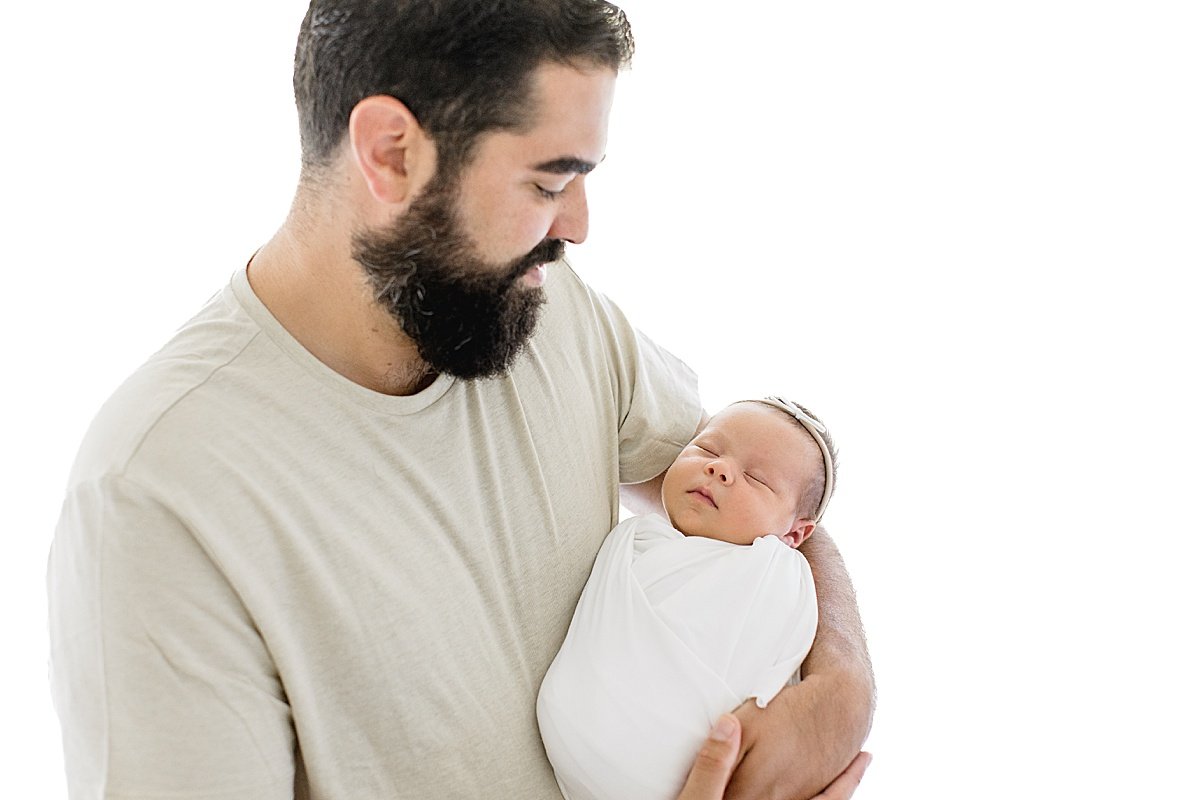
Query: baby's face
x=740, y=478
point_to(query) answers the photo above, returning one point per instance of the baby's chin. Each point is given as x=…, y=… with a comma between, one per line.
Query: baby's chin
x=680, y=522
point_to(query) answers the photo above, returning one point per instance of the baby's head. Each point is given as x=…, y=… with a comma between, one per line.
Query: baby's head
x=760, y=467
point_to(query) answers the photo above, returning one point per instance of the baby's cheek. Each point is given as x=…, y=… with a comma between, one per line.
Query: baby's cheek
x=670, y=499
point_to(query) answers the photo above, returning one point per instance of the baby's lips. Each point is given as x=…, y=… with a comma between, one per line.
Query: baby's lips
x=707, y=495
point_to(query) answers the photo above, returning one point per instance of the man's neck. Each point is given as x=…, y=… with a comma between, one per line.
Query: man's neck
x=310, y=283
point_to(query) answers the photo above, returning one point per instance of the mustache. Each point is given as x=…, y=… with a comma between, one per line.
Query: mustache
x=547, y=252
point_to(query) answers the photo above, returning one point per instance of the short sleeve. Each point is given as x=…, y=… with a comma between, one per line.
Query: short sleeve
x=162, y=682
x=658, y=399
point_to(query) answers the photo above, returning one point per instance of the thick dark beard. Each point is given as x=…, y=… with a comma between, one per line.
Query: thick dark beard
x=468, y=318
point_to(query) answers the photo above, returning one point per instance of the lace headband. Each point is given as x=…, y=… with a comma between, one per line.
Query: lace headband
x=816, y=428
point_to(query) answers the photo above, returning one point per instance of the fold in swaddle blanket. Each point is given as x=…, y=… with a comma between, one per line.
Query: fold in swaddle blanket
x=671, y=632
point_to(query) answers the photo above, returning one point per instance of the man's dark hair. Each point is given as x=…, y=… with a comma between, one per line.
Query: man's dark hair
x=463, y=67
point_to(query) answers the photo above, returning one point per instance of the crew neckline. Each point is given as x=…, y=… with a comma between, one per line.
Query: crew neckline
x=340, y=384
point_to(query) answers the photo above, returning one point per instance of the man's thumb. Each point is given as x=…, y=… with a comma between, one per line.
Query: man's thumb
x=715, y=762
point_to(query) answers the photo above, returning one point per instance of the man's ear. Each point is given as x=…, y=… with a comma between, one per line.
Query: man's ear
x=391, y=150
x=801, y=529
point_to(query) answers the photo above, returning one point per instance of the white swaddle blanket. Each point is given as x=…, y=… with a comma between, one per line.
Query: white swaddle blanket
x=671, y=632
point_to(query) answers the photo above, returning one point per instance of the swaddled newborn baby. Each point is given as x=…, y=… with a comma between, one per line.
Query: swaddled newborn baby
x=683, y=621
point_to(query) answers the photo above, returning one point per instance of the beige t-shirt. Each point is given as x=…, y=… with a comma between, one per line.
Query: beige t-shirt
x=269, y=581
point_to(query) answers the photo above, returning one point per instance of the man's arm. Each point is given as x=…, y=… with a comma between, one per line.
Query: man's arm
x=810, y=732
x=162, y=681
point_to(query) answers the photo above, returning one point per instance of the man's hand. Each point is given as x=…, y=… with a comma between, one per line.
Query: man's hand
x=769, y=764
x=715, y=762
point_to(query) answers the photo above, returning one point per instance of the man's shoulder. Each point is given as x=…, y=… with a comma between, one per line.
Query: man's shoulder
x=567, y=293
x=578, y=313
x=215, y=339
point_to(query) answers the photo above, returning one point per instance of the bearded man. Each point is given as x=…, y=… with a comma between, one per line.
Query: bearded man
x=325, y=543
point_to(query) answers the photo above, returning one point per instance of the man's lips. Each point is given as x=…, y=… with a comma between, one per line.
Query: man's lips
x=706, y=494
x=535, y=276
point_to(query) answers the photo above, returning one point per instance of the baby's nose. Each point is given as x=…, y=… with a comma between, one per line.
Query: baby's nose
x=719, y=470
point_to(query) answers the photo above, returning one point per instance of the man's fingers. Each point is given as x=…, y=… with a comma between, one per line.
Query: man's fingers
x=745, y=716
x=715, y=762
x=844, y=785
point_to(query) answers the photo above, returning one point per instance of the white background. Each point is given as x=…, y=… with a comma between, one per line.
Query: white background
x=964, y=233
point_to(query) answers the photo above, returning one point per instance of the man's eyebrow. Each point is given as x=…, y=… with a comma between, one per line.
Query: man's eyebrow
x=566, y=166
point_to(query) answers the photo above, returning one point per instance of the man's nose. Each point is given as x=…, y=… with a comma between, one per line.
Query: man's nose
x=720, y=470
x=571, y=223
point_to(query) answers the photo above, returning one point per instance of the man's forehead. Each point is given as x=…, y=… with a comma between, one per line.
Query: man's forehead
x=570, y=111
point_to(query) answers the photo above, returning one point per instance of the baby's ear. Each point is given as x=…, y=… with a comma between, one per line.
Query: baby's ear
x=802, y=528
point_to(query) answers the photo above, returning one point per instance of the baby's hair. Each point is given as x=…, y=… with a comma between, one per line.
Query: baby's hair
x=814, y=490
